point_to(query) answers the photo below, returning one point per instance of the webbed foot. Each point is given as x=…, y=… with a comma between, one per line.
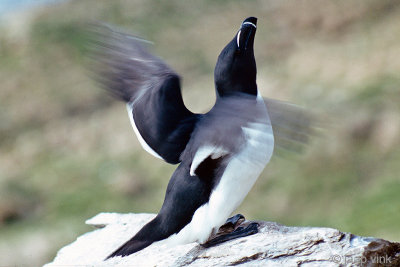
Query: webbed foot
x=231, y=224
x=231, y=230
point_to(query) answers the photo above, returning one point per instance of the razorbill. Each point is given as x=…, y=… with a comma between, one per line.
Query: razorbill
x=220, y=153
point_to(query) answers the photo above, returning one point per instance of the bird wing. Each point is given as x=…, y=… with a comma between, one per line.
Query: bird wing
x=293, y=125
x=151, y=89
x=292, y=128
x=233, y=124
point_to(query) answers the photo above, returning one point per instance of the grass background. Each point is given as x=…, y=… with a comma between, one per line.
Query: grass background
x=68, y=151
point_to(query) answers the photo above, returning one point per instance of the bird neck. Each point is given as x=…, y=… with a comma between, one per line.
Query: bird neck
x=226, y=91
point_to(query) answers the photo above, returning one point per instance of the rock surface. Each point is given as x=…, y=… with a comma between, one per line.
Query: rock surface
x=274, y=245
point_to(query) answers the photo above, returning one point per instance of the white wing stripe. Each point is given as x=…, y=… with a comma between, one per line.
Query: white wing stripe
x=202, y=153
x=135, y=129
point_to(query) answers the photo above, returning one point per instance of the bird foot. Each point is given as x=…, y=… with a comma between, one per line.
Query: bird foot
x=232, y=230
x=231, y=224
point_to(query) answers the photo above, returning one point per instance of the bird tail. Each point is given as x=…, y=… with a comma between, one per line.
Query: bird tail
x=130, y=247
x=150, y=233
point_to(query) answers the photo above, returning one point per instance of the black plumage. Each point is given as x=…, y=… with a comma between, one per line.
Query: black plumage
x=232, y=141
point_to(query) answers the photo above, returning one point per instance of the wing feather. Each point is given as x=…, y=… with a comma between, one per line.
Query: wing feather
x=152, y=90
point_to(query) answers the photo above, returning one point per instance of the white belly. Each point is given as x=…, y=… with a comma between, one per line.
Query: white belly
x=239, y=177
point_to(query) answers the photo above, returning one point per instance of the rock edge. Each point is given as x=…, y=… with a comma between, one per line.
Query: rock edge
x=274, y=245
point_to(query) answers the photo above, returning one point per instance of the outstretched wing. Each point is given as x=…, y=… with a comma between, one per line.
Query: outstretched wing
x=293, y=125
x=235, y=125
x=150, y=88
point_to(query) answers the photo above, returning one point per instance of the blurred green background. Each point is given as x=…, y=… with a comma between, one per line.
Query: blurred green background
x=68, y=151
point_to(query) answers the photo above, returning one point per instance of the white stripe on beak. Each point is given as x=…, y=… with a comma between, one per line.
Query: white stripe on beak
x=237, y=38
x=248, y=22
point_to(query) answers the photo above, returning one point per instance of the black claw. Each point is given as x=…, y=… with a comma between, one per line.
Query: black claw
x=232, y=222
x=235, y=219
x=239, y=229
x=251, y=229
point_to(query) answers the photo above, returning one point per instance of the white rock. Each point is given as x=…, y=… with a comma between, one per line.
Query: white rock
x=274, y=245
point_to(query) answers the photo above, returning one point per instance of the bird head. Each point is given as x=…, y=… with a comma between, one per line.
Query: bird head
x=235, y=71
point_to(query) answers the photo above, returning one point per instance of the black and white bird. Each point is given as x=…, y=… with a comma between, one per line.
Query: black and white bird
x=220, y=153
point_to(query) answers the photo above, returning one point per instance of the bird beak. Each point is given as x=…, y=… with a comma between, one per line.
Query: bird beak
x=246, y=34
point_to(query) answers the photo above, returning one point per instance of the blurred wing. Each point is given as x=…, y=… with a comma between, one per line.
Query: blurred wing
x=150, y=88
x=237, y=127
x=293, y=125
